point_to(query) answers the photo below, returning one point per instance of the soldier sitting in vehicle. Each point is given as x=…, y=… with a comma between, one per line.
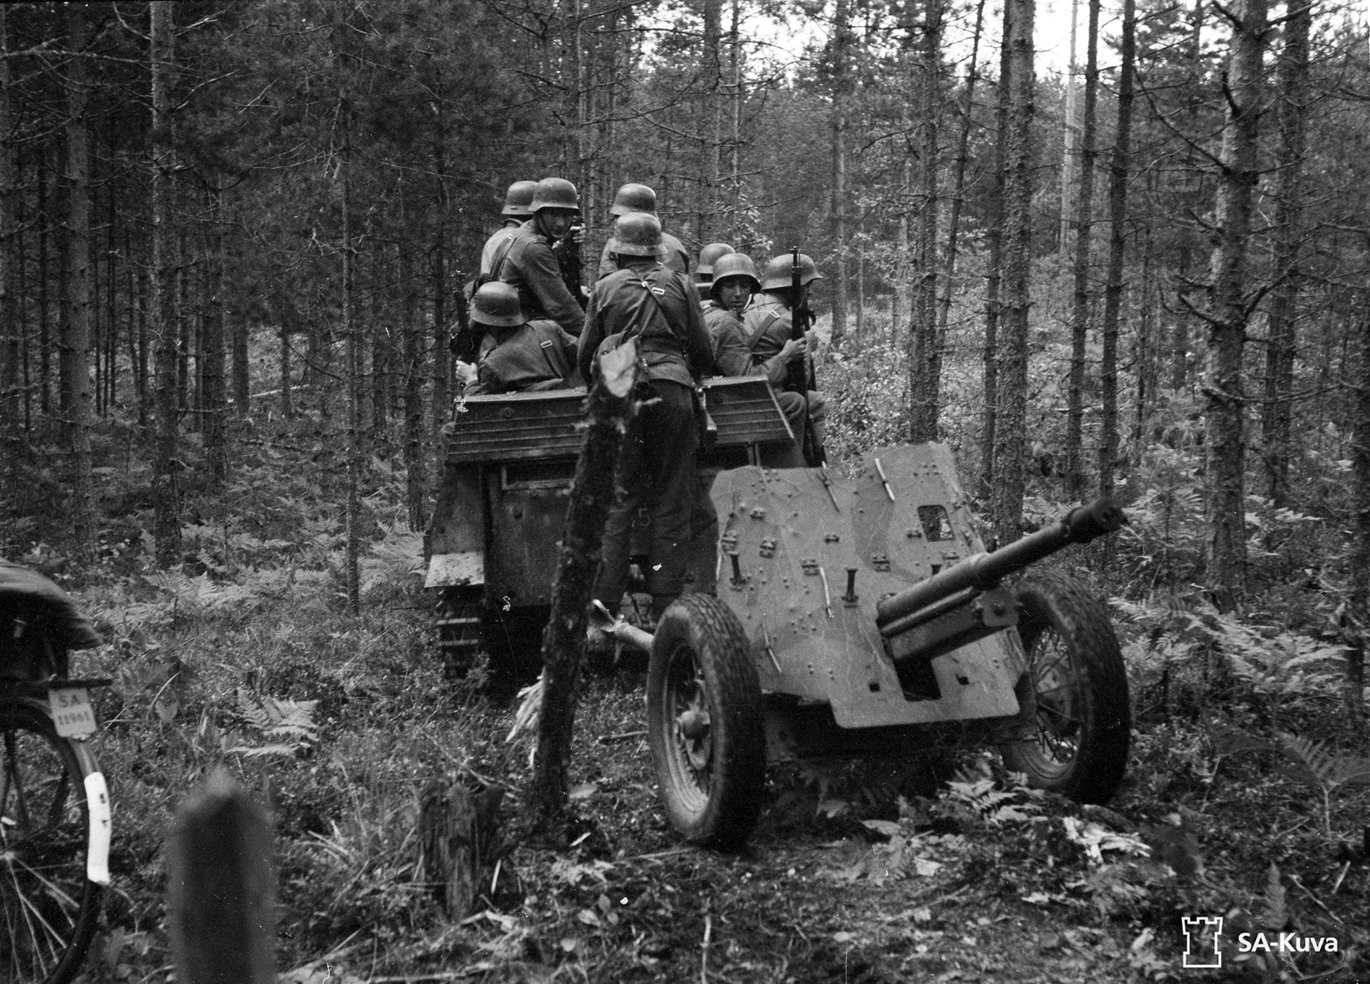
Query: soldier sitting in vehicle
x=531, y=266
x=734, y=283
x=516, y=354
x=766, y=326
x=635, y=198
x=704, y=270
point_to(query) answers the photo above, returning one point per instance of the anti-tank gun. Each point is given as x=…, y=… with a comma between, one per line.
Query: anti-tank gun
x=863, y=617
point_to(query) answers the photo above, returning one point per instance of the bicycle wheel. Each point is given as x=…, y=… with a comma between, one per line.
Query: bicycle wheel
x=48, y=905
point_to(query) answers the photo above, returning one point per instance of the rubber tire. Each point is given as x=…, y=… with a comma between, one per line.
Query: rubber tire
x=29, y=723
x=1093, y=722
x=701, y=660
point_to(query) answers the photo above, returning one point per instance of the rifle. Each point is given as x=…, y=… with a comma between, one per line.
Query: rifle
x=569, y=260
x=800, y=376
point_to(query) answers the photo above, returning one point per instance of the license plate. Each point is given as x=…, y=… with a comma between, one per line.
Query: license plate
x=71, y=711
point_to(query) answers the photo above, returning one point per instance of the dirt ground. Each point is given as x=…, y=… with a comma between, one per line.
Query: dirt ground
x=851, y=876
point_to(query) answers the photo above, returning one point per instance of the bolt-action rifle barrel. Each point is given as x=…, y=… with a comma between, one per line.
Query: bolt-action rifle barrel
x=984, y=571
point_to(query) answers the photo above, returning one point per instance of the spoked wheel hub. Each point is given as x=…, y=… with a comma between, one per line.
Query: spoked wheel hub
x=704, y=722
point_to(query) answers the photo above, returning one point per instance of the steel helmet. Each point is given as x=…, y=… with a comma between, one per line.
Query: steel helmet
x=704, y=269
x=519, y=199
x=637, y=234
x=555, y=193
x=735, y=265
x=634, y=198
x=497, y=304
x=780, y=271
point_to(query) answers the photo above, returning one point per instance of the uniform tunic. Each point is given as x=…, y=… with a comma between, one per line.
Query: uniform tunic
x=531, y=267
x=537, y=354
x=658, y=460
x=734, y=358
x=494, y=244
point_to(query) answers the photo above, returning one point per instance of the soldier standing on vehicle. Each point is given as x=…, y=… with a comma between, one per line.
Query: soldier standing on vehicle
x=629, y=200
x=659, y=307
x=704, y=270
x=518, y=201
x=734, y=283
x=531, y=267
x=767, y=328
x=517, y=354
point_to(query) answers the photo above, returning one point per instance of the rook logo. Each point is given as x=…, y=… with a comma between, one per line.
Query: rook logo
x=1201, y=941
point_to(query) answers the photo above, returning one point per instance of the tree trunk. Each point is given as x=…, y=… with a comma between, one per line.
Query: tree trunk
x=592, y=495
x=441, y=365
x=1276, y=409
x=1359, y=623
x=1224, y=397
x=1068, y=146
x=994, y=281
x=1120, y=169
x=958, y=195
x=415, y=476
x=841, y=84
x=76, y=330
x=1084, y=293
x=1011, y=427
x=11, y=349
x=214, y=399
x=166, y=524
x=926, y=375
x=714, y=102
x=45, y=225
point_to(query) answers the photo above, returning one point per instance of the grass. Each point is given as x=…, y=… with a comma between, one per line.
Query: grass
x=247, y=656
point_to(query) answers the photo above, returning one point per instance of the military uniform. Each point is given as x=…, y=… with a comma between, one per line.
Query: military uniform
x=658, y=463
x=766, y=326
x=677, y=257
x=490, y=252
x=532, y=269
x=538, y=355
x=732, y=357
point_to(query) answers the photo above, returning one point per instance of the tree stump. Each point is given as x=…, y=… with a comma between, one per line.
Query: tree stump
x=221, y=887
x=458, y=843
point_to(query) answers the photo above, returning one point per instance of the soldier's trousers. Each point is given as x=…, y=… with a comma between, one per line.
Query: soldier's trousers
x=658, y=463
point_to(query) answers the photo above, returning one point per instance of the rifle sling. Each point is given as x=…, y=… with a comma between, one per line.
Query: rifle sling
x=760, y=330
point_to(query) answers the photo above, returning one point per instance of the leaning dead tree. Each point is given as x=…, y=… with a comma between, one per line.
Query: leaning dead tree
x=563, y=645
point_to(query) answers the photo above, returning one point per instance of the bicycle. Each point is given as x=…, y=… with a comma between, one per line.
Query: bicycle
x=54, y=806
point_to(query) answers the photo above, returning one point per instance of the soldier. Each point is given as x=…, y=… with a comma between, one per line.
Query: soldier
x=633, y=198
x=518, y=202
x=704, y=270
x=531, y=266
x=734, y=283
x=767, y=322
x=660, y=307
x=517, y=354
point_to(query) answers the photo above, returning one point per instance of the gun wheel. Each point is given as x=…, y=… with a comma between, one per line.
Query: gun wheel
x=1074, y=693
x=704, y=723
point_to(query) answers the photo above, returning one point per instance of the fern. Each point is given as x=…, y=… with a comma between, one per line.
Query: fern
x=1313, y=764
x=287, y=724
x=995, y=806
x=1313, y=761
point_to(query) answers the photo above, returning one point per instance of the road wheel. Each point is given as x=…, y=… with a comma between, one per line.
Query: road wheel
x=704, y=723
x=458, y=629
x=1075, y=692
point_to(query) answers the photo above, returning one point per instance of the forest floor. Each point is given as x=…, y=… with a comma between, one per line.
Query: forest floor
x=944, y=869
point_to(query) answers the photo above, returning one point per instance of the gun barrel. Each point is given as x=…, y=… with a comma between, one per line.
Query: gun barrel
x=984, y=571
